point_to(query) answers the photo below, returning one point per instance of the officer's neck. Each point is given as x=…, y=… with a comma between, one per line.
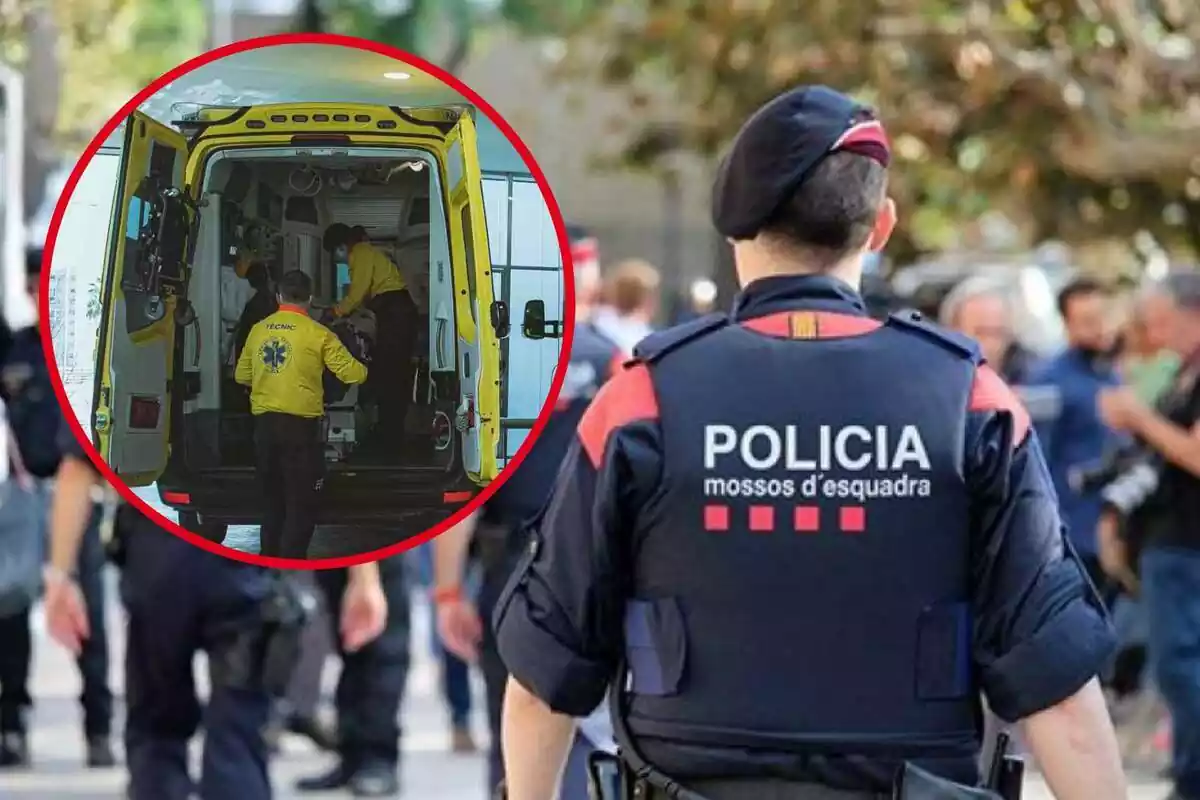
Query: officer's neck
x=756, y=260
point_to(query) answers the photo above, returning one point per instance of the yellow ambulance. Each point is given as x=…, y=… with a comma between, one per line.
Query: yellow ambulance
x=199, y=199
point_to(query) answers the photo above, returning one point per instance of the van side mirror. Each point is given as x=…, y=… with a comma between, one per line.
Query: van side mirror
x=536, y=326
x=500, y=320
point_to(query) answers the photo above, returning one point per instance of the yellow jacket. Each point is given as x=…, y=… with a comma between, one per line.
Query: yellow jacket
x=284, y=362
x=372, y=273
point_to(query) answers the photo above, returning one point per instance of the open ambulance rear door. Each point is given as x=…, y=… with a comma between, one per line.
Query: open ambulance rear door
x=143, y=295
x=478, y=418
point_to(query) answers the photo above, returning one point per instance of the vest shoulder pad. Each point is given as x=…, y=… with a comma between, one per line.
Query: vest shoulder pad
x=659, y=343
x=914, y=322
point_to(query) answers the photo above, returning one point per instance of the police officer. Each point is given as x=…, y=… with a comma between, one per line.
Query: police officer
x=811, y=538
x=496, y=533
x=179, y=600
x=370, y=691
x=377, y=283
x=34, y=418
x=284, y=364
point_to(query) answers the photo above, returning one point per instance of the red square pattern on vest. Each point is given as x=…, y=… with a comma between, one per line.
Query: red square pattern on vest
x=762, y=519
x=853, y=519
x=807, y=519
x=716, y=518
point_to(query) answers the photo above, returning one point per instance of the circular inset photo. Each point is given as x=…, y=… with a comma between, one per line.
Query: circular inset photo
x=296, y=329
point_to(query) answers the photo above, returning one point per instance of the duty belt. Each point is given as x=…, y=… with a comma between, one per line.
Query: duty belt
x=637, y=779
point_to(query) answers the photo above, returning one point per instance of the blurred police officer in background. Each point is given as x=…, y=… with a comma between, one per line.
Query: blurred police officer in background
x=34, y=417
x=181, y=600
x=496, y=533
x=809, y=580
x=376, y=282
x=284, y=364
x=370, y=688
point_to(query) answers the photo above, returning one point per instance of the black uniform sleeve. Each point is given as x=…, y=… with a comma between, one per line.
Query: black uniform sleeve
x=68, y=445
x=560, y=621
x=1040, y=632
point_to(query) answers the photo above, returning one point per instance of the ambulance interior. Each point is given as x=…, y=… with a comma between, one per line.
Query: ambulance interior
x=269, y=210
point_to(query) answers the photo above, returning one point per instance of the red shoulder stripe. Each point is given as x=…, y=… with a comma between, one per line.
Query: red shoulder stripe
x=627, y=397
x=990, y=393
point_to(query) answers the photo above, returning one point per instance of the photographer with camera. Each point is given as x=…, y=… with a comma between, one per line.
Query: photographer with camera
x=1158, y=499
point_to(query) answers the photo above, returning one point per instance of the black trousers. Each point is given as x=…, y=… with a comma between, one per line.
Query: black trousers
x=16, y=651
x=391, y=374
x=291, y=469
x=181, y=600
x=371, y=685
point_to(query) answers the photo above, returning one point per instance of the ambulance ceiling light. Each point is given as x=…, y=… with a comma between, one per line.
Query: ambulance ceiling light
x=397, y=76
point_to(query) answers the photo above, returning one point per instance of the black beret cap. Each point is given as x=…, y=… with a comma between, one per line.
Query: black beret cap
x=778, y=148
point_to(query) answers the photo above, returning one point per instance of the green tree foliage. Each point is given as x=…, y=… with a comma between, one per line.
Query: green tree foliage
x=1077, y=118
x=442, y=31
x=107, y=50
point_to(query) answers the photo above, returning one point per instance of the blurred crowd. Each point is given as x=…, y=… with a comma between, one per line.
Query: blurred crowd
x=1122, y=351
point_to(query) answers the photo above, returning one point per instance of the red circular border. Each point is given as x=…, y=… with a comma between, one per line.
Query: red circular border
x=412, y=61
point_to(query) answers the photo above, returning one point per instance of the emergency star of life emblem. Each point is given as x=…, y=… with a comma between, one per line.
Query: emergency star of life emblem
x=274, y=354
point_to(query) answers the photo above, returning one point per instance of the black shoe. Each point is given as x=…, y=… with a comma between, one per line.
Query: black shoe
x=14, y=750
x=336, y=778
x=375, y=780
x=100, y=753
x=319, y=733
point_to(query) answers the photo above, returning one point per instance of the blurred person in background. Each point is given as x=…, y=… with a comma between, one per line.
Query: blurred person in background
x=631, y=302
x=1078, y=437
x=35, y=418
x=1148, y=364
x=370, y=688
x=585, y=256
x=299, y=712
x=179, y=600
x=979, y=307
x=495, y=536
x=456, y=673
x=1166, y=507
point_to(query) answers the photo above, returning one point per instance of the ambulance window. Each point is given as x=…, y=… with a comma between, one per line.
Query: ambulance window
x=469, y=237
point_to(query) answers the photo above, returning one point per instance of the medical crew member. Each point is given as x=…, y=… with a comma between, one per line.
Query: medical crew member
x=180, y=600
x=377, y=283
x=497, y=532
x=813, y=538
x=283, y=363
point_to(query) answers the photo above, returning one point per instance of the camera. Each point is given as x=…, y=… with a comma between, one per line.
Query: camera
x=1096, y=475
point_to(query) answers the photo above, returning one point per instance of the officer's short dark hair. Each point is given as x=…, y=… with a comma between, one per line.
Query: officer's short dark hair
x=336, y=235
x=295, y=287
x=834, y=210
x=359, y=234
x=1079, y=287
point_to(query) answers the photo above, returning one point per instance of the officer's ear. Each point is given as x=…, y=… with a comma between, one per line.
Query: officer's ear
x=885, y=223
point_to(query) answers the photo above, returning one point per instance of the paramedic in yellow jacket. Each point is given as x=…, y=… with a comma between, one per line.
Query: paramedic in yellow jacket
x=377, y=284
x=283, y=363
